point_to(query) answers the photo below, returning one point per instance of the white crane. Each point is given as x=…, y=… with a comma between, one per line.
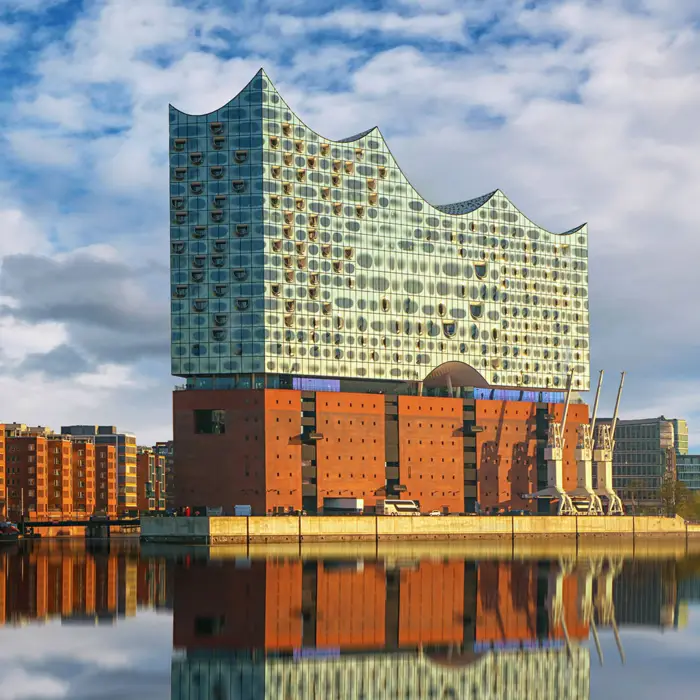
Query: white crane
x=554, y=454
x=585, y=498
x=603, y=457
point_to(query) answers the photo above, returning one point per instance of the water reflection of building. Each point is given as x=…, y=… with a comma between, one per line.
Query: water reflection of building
x=545, y=674
x=689, y=589
x=66, y=581
x=646, y=593
x=275, y=629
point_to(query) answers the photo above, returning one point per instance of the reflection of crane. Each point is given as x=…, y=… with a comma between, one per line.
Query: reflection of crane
x=603, y=571
x=603, y=457
x=587, y=501
x=555, y=596
x=605, y=606
x=554, y=454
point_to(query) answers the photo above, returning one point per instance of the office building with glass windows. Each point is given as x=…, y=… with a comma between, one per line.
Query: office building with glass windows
x=688, y=470
x=646, y=451
x=310, y=265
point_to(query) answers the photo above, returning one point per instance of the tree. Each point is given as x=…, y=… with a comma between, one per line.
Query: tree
x=674, y=495
x=635, y=487
x=690, y=508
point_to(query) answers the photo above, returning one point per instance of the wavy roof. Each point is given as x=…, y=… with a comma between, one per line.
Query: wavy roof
x=466, y=206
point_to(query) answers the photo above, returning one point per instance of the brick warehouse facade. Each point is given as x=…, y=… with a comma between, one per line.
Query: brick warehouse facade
x=284, y=450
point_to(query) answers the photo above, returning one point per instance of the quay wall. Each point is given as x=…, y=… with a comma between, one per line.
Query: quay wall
x=260, y=529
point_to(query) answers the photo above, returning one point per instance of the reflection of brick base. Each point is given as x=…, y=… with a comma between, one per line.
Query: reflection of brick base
x=284, y=450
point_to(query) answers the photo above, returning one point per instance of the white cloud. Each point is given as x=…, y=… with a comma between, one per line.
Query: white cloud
x=38, y=148
x=437, y=27
x=18, y=339
x=587, y=112
x=20, y=233
x=112, y=377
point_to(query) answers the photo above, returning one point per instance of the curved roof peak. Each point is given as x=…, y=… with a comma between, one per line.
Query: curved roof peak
x=468, y=205
x=261, y=82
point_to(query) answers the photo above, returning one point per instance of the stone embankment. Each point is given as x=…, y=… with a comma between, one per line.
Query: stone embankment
x=235, y=530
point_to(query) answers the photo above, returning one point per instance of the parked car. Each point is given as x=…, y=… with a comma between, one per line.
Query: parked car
x=435, y=512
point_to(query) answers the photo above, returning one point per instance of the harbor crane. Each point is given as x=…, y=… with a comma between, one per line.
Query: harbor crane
x=585, y=499
x=603, y=457
x=554, y=454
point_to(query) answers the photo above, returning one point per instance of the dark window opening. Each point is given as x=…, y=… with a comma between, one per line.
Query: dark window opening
x=209, y=422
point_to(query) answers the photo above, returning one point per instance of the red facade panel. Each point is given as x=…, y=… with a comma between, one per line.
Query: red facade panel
x=431, y=452
x=350, y=457
x=506, y=453
x=282, y=456
x=506, y=450
x=220, y=469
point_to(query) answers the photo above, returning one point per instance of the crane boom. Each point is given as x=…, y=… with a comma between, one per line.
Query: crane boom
x=569, y=384
x=595, y=404
x=617, y=408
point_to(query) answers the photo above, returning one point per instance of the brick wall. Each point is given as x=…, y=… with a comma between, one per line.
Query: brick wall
x=286, y=450
x=350, y=458
x=431, y=449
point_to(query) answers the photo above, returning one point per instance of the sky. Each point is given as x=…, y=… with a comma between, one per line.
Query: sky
x=579, y=110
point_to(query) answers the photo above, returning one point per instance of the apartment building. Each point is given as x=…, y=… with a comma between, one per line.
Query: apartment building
x=151, y=479
x=125, y=445
x=50, y=475
x=106, y=479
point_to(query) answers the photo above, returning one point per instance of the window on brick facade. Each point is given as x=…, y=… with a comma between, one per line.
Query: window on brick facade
x=209, y=422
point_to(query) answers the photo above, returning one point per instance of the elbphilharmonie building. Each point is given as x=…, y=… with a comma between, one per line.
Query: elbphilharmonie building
x=294, y=255
x=340, y=336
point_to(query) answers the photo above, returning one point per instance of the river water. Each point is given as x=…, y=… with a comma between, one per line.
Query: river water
x=117, y=621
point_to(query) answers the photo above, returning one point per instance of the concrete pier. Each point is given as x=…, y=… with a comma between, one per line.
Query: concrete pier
x=241, y=530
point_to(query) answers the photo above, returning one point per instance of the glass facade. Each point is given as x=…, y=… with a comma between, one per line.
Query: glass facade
x=680, y=436
x=644, y=450
x=688, y=467
x=292, y=254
